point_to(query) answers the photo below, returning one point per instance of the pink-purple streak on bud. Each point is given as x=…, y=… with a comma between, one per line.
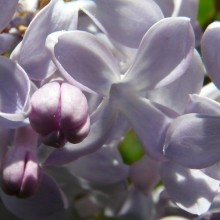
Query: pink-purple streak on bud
x=60, y=113
x=20, y=169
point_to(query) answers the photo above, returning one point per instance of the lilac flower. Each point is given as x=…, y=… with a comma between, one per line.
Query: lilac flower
x=48, y=194
x=51, y=19
x=20, y=170
x=125, y=88
x=193, y=139
x=192, y=143
x=100, y=74
x=22, y=176
x=57, y=15
x=15, y=90
x=64, y=110
x=126, y=93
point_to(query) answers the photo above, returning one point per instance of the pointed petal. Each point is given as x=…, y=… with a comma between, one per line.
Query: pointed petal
x=82, y=57
x=130, y=21
x=107, y=164
x=193, y=141
x=202, y=105
x=14, y=93
x=46, y=201
x=190, y=82
x=7, y=10
x=211, y=51
x=102, y=122
x=149, y=120
x=57, y=15
x=168, y=46
x=190, y=189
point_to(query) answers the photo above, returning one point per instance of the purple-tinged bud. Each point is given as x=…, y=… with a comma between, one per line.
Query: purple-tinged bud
x=20, y=169
x=60, y=113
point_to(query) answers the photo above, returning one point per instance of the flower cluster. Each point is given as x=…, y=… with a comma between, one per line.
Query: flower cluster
x=76, y=77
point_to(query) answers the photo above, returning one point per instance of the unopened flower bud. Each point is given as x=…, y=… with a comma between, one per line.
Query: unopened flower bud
x=20, y=169
x=60, y=113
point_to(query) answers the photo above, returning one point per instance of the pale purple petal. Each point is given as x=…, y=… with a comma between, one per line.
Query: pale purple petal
x=193, y=141
x=102, y=122
x=164, y=54
x=166, y=7
x=210, y=47
x=107, y=166
x=121, y=128
x=202, y=105
x=144, y=174
x=14, y=93
x=127, y=21
x=8, y=42
x=190, y=82
x=85, y=61
x=150, y=121
x=56, y=16
x=45, y=202
x=187, y=8
x=190, y=189
x=7, y=10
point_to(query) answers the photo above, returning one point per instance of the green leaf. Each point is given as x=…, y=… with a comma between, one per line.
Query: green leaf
x=206, y=12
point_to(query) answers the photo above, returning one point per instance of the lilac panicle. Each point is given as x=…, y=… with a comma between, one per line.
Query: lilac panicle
x=61, y=115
